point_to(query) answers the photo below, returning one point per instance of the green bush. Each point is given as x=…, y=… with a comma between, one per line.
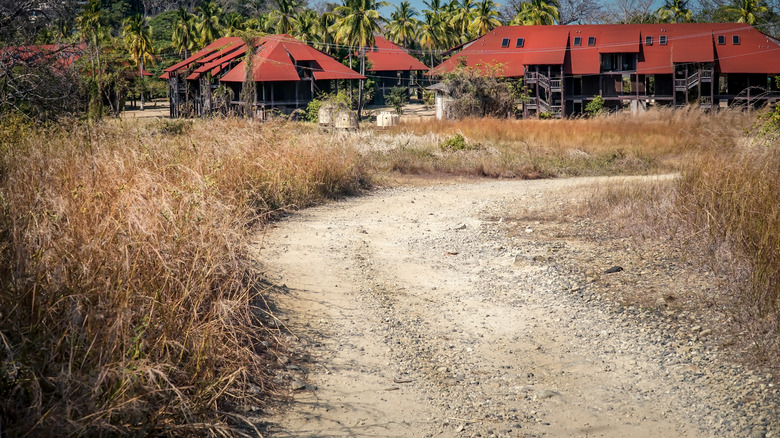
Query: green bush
x=398, y=98
x=595, y=106
x=457, y=143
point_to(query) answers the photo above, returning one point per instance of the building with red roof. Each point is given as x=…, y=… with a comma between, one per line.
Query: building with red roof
x=392, y=66
x=287, y=74
x=564, y=67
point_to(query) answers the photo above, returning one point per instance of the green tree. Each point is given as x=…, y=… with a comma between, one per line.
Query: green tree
x=209, y=22
x=284, y=18
x=92, y=29
x=184, y=33
x=402, y=27
x=359, y=21
x=138, y=41
x=485, y=18
x=327, y=40
x=537, y=12
x=432, y=34
x=307, y=27
x=674, y=11
x=461, y=19
x=235, y=23
x=748, y=11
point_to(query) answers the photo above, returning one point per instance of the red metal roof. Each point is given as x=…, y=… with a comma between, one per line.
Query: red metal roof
x=755, y=53
x=217, y=64
x=220, y=45
x=510, y=66
x=388, y=56
x=64, y=55
x=277, y=58
x=685, y=43
x=541, y=45
x=692, y=47
x=617, y=40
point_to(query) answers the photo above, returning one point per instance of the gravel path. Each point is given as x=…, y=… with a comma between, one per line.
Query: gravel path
x=465, y=310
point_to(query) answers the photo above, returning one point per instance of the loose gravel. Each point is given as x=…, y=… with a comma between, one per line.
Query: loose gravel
x=482, y=310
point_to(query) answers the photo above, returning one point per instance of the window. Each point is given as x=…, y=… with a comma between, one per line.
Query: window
x=591, y=41
x=577, y=41
x=735, y=40
x=505, y=42
x=662, y=40
x=618, y=61
x=649, y=40
x=520, y=42
x=721, y=39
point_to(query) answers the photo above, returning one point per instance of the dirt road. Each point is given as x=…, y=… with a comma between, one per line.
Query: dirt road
x=464, y=310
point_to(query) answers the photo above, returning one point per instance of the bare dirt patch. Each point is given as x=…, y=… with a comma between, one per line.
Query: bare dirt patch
x=479, y=310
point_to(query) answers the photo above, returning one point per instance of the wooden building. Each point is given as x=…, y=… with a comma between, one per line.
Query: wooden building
x=564, y=67
x=287, y=75
x=393, y=66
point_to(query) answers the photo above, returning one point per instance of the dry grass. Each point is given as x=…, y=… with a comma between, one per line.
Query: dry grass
x=723, y=212
x=728, y=199
x=619, y=144
x=128, y=303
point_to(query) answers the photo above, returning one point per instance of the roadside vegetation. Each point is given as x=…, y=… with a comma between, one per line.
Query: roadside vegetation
x=129, y=303
x=723, y=213
x=619, y=144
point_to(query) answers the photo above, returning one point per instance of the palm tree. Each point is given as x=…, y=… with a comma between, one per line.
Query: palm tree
x=748, y=10
x=432, y=34
x=235, y=23
x=484, y=18
x=183, y=36
x=91, y=26
x=359, y=21
x=92, y=29
x=327, y=41
x=138, y=39
x=434, y=6
x=208, y=22
x=307, y=27
x=402, y=26
x=674, y=11
x=284, y=19
x=462, y=18
x=537, y=12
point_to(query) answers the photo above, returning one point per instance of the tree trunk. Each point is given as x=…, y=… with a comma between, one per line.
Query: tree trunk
x=350, y=67
x=141, y=75
x=362, y=81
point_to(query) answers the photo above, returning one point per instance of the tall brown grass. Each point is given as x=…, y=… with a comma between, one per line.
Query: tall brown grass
x=729, y=199
x=129, y=305
x=724, y=213
x=658, y=141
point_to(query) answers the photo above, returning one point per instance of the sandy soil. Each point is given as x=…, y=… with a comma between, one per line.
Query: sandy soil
x=465, y=310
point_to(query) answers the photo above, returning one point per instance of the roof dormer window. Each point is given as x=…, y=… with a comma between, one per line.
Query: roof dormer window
x=577, y=41
x=735, y=40
x=591, y=41
x=505, y=42
x=649, y=40
x=662, y=40
x=520, y=42
x=721, y=40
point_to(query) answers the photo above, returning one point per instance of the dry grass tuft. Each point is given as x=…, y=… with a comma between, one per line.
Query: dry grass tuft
x=128, y=304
